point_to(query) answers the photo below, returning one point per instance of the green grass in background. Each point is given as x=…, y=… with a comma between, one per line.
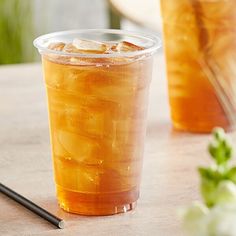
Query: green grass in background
x=16, y=31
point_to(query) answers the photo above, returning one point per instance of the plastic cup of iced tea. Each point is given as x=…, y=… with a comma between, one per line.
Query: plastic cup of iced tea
x=97, y=84
x=200, y=48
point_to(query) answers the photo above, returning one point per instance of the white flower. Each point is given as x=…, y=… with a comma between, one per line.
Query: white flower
x=225, y=193
x=194, y=219
x=220, y=220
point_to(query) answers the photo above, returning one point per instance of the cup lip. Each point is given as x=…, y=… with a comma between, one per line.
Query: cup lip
x=156, y=43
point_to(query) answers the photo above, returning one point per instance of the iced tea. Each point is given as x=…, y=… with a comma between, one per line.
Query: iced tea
x=97, y=110
x=200, y=46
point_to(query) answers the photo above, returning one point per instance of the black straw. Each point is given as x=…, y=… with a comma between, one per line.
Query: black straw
x=32, y=206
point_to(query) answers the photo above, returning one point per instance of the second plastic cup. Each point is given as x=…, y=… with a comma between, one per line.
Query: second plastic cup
x=97, y=107
x=201, y=59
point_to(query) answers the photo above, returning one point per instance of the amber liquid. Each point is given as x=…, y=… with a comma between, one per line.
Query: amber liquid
x=198, y=33
x=97, y=123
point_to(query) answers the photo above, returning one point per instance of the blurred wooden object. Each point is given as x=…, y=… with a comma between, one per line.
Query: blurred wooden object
x=144, y=13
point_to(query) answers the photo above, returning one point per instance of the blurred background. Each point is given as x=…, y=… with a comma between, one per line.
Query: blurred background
x=23, y=20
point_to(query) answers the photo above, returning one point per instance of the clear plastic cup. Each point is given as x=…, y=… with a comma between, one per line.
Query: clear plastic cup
x=97, y=106
x=200, y=52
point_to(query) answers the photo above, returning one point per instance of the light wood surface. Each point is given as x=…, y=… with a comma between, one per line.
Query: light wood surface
x=169, y=174
x=145, y=13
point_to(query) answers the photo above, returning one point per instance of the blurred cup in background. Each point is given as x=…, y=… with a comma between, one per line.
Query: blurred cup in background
x=200, y=49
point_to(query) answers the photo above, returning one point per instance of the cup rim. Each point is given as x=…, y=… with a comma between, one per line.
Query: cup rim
x=156, y=43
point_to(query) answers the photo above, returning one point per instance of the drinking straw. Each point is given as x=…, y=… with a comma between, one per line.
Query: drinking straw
x=211, y=68
x=212, y=71
x=59, y=223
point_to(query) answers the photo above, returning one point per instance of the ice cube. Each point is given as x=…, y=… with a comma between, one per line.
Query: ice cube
x=92, y=117
x=89, y=46
x=66, y=78
x=80, y=178
x=70, y=48
x=126, y=46
x=127, y=133
x=54, y=75
x=88, y=121
x=56, y=46
x=81, y=149
x=119, y=177
x=95, y=121
x=57, y=148
x=65, y=103
x=75, y=80
x=79, y=61
x=106, y=87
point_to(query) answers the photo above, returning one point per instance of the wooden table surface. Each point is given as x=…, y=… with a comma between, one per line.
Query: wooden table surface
x=169, y=174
